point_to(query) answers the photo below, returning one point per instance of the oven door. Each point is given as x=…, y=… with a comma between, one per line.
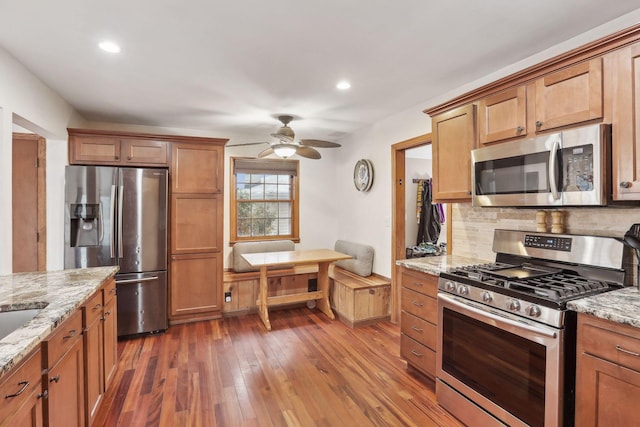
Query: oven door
x=509, y=366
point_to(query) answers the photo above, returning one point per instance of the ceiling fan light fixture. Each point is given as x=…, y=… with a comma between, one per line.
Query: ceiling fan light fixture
x=284, y=150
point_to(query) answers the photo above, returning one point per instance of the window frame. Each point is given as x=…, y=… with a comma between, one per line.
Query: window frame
x=233, y=206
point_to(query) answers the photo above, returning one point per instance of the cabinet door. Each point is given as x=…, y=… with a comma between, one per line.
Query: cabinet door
x=93, y=344
x=110, y=341
x=626, y=124
x=197, y=168
x=144, y=152
x=606, y=394
x=569, y=96
x=195, y=284
x=89, y=150
x=454, y=136
x=65, y=405
x=196, y=223
x=503, y=115
x=30, y=413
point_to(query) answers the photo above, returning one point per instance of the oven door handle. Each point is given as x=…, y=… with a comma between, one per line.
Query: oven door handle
x=482, y=312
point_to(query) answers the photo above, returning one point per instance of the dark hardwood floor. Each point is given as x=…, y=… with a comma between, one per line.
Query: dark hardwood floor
x=308, y=371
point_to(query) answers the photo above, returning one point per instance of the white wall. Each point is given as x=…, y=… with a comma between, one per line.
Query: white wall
x=28, y=103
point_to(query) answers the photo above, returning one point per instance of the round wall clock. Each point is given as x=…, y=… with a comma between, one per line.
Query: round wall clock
x=363, y=175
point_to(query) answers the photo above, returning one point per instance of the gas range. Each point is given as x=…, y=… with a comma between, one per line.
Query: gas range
x=535, y=274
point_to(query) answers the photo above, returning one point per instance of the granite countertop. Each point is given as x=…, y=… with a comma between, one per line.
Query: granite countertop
x=437, y=264
x=58, y=293
x=621, y=306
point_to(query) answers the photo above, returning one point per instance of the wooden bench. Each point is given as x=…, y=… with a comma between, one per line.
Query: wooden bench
x=357, y=300
x=243, y=288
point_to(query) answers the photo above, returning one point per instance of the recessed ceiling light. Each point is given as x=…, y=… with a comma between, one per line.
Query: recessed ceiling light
x=110, y=47
x=343, y=85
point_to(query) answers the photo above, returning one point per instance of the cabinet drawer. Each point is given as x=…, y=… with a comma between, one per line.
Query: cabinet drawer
x=419, y=329
x=418, y=356
x=618, y=348
x=109, y=290
x=419, y=305
x=27, y=375
x=420, y=282
x=93, y=308
x=63, y=338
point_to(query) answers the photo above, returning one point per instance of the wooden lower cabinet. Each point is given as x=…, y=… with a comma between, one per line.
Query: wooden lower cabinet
x=419, y=320
x=21, y=393
x=608, y=373
x=110, y=339
x=64, y=354
x=195, y=291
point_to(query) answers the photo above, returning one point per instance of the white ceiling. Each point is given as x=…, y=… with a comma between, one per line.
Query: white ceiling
x=229, y=67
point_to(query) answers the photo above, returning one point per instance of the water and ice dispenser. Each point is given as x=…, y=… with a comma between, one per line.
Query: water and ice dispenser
x=85, y=224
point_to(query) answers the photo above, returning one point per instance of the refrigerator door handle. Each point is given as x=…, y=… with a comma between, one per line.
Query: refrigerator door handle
x=101, y=225
x=113, y=221
x=120, y=197
x=144, y=279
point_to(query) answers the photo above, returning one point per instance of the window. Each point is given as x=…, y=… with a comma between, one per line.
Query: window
x=264, y=199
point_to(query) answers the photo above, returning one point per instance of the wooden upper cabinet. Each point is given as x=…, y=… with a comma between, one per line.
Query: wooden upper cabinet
x=197, y=168
x=569, y=96
x=454, y=136
x=625, y=120
x=143, y=152
x=95, y=149
x=503, y=116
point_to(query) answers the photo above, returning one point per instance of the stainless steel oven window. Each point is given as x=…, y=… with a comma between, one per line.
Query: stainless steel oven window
x=509, y=366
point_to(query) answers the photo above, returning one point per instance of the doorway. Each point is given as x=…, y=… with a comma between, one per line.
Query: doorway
x=399, y=239
x=29, y=202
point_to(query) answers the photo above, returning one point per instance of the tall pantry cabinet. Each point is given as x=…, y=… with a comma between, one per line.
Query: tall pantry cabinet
x=197, y=180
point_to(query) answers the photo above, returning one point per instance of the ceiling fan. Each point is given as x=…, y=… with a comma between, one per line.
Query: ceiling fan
x=286, y=144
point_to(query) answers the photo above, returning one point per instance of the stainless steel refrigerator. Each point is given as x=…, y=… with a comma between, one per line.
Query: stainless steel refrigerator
x=118, y=216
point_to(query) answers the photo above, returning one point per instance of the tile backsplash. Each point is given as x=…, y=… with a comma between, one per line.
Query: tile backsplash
x=472, y=228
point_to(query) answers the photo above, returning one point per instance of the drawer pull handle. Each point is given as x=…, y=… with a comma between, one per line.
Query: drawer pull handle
x=72, y=333
x=97, y=307
x=417, y=304
x=415, y=353
x=632, y=353
x=417, y=284
x=54, y=379
x=415, y=328
x=24, y=385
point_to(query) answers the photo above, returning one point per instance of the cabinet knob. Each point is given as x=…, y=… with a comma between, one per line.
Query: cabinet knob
x=117, y=157
x=625, y=184
x=519, y=129
x=43, y=395
x=538, y=123
x=54, y=379
x=128, y=157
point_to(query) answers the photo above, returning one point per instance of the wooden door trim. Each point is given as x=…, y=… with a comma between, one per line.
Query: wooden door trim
x=41, y=197
x=398, y=242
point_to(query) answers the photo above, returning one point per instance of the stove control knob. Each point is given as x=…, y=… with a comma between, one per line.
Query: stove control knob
x=514, y=305
x=463, y=290
x=486, y=297
x=450, y=286
x=534, y=311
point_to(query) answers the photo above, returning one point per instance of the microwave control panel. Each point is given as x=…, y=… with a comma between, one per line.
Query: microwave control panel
x=548, y=242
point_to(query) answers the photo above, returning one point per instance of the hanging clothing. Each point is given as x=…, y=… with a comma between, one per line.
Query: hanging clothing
x=431, y=216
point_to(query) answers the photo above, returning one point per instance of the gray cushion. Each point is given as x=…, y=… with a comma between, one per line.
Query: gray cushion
x=240, y=265
x=362, y=261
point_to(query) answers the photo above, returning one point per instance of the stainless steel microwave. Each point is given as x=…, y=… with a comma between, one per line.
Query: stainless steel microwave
x=568, y=168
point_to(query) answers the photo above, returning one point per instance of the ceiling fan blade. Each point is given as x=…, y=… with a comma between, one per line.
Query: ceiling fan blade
x=308, y=152
x=319, y=143
x=265, y=153
x=248, y=143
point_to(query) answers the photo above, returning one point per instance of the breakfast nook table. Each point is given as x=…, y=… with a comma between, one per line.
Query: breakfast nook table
x=322, y=257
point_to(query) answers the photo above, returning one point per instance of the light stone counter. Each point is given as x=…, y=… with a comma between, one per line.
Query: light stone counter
x=437, y=264
x=622, y=306
x=58, y=293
